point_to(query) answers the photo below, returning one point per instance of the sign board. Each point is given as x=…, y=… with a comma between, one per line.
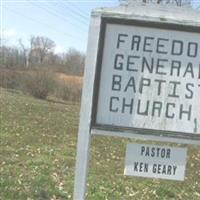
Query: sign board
x=153, y=161
x=148, y=78
x=141, y=80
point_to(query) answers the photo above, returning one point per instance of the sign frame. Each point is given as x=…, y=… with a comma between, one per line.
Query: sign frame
x=87, y=125
x=139, y=23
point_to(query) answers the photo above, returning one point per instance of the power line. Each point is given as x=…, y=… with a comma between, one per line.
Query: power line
x=78, y=20
x=42, y=23
x=54, y=14
x=75, y=11
x=78, y=9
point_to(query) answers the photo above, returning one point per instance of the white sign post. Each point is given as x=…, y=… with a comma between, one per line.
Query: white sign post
x=142, y=79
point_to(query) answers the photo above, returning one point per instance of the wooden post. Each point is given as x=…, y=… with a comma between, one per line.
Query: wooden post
x=159, y=19
x=84, y=134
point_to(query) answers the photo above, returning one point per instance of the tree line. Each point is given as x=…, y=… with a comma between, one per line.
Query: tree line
x=40, y=53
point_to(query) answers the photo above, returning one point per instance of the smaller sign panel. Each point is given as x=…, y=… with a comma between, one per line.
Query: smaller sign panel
x=154, y=161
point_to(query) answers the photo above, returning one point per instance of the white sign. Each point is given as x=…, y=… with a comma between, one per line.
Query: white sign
x=150, y=79
x=141, y=80
x=155, y=161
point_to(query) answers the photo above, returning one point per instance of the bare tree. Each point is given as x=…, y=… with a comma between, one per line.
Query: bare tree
x=39, y=53
x=25, y=54
x=40, y=47
x=9, y=57
x=75, y=62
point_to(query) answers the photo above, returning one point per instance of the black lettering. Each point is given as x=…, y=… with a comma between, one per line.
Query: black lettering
x=176, y=65
x=159, y=168
x=162, y=154
x=157, y=106
x=174, y=170
x=135, y=42
x=167, y=114
x=174, y=85
x=130, y=62
x=111, y=107
x=169, y=170
x=146, y=167
x=177, y=47
x=116, y=82
x=154, y=168
x=146, y=109
x=190, y=91
x=160, y=66
x=164, y=170
x=118, y=65
x=186, y=112
x=168, y=153
x=130, y=84
x=148, y=66
x=147, y=43
x=160, y=45
x=136, y=166
x=189, y=70
x=199, y=71
x=142, y=150
x=192, y=52
x=144, y=82
x=147, y=153
x=159, y=85
x=158, y=151
x=152, y=151
x=127, y=105
x=141, y=167
x=120, y=39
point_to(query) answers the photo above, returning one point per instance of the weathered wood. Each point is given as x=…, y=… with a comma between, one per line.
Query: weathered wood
x=83, y=146
x=150, y=14
x=144, y=137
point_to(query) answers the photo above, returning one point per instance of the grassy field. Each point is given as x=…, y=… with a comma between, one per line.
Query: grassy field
x=38, y=147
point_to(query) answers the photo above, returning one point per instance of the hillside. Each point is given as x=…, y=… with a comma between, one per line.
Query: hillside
x=38, y=147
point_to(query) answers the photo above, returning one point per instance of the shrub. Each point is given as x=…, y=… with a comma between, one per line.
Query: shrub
x=69, y=92
x=10, y=79
x=40, y=84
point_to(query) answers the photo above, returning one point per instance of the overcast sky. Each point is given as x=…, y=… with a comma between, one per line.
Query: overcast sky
x=65, y=22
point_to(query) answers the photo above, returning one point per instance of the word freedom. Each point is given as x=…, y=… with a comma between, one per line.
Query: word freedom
x=158, y=64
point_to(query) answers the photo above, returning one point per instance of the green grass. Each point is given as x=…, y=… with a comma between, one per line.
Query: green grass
x=38, y=147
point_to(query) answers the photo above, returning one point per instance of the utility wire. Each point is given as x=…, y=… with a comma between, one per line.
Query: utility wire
x=79, y=10
x=75, y=10
x=42, y=23
x=54, y=14
x=56, y=9
x=79, y=19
